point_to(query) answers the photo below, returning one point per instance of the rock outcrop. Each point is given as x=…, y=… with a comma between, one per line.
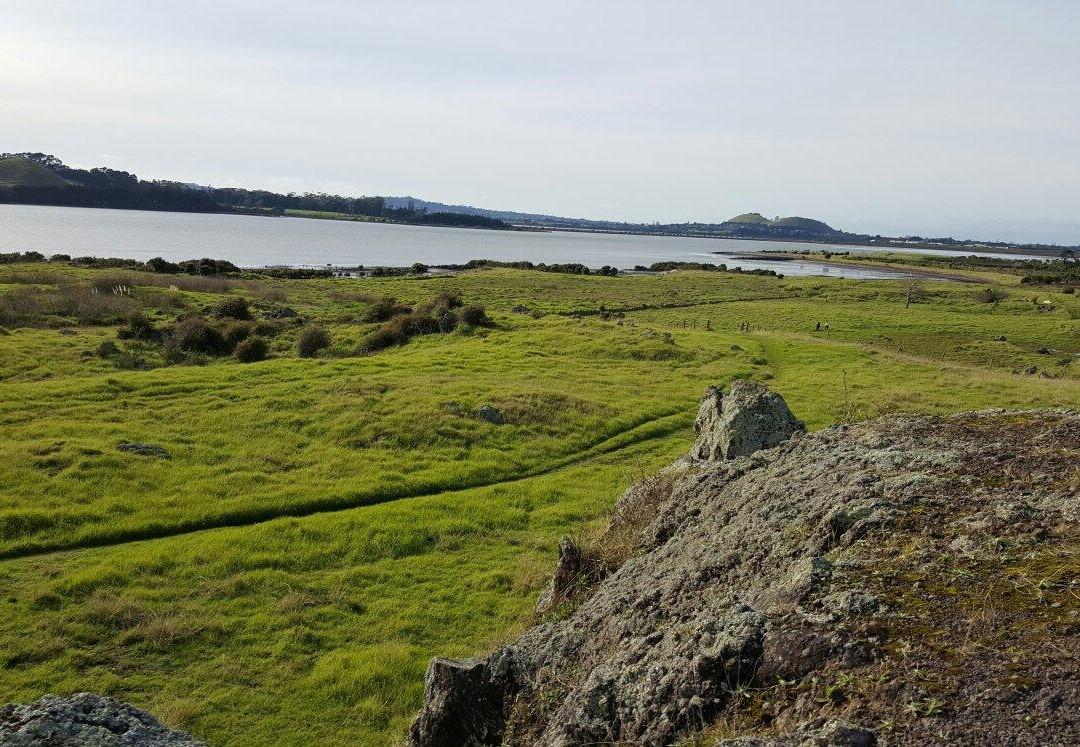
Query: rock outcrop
x=911, y=572
x=85, y=720
x=748, y=419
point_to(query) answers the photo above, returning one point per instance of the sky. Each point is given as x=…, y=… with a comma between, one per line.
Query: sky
x=937, y=118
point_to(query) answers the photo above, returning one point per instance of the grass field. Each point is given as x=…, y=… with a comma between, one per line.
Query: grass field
x=324, y=526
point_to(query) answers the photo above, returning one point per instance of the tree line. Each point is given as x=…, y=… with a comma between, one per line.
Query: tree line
x=103, y=187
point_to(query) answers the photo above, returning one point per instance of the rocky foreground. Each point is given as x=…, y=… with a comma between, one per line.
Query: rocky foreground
x=905, y=581
x=85, y=720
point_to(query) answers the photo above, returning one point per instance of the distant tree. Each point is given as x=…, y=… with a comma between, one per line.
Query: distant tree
x=916, y=291
x=992, y=296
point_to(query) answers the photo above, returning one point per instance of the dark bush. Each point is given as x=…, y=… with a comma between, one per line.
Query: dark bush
x=60, y=258
x=448, y=322
x=138, y=327
x=431, y=318
x=207, y=266
x=252, y=349
x=157, y=264
x=384, y=309
x=107, y=349
x=414, y=324
x=991, y=295
x=380, y=339
x=235, y=307
x=196, y=335
x=418, y=268
x=1068, y=289
x=441, y=304
x=129, y=362
x=236, y=333
x=474, y=315
x=312, y=340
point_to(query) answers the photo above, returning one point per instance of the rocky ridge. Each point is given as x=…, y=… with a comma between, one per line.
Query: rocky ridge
x=899, y=581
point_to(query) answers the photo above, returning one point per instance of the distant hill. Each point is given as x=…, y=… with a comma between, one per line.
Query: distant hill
x=415, y=203
x=17, y=171
x=793, y=223
x=749, y=218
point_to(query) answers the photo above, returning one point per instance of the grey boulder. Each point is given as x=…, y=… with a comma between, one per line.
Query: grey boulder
x=85, y=720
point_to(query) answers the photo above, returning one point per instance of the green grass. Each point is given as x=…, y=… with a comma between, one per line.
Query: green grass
x=327, y=525
x=22, y=172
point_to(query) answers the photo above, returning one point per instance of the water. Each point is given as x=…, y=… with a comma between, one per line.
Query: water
x=250, y=241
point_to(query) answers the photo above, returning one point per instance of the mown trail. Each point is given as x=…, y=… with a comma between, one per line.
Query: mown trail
x=641, y=432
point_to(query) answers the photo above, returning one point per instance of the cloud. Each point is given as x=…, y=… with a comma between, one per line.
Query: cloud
x=849, y=111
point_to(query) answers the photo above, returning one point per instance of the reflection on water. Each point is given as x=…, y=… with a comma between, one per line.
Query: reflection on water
x=254, y=241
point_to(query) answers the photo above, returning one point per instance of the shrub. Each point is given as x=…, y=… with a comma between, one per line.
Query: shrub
x=414, y=324
x=474, y=315
x=129, y=362
x=207, y=266
x=235, y=307
x=991, y=295
x=312, y=340
x=60, y=258
x=441, y=304
x=380, y=339
x=157, y=264
x=107, y=349
x=236, y=333
x=418, y=268
x=385, y=309
x=196, y=335
x=448, y=322
x=1068, y=289
x=138, y=327
x=252, y=349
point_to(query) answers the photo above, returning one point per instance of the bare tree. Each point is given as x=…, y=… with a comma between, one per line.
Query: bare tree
x=916, y=291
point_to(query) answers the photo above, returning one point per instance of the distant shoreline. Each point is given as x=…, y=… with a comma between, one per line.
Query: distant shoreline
x=974, y=248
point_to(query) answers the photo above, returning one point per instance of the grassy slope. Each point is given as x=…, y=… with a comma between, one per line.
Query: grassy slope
x=15, y=172
x=320, y=627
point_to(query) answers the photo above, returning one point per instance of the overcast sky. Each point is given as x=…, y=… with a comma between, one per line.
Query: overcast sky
x=922, y=117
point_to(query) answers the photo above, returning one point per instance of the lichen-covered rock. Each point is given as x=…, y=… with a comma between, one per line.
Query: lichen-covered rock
x=466, y=701
x=490, y=414
x=820, y=733
x=567, y=572
x=750, y=418
x=85, y=720
x=814, y=577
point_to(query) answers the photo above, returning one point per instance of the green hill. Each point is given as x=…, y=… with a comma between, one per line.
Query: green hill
x=792, y=223
x=750, y=218
x=806, y=224
x=22, y=172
